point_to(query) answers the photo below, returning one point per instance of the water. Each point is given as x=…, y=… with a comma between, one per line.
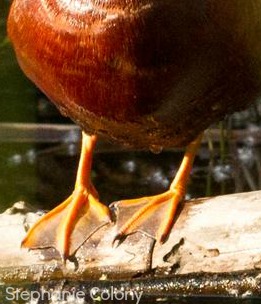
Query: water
x=155, y=149
x=43, y=173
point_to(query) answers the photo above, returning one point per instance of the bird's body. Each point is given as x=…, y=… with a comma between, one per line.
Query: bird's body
x=142, y=71
x=148, y=73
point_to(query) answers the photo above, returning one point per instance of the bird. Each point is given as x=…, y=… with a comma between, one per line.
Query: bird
x=145, y=73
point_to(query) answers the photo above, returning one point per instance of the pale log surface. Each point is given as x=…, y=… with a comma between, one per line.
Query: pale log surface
x=211, y=235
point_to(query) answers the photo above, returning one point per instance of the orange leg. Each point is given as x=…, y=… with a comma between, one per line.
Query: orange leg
x=68, y=225
x=137, y=214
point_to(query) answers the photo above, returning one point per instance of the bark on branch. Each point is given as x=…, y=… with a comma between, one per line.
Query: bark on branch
x=216, y=236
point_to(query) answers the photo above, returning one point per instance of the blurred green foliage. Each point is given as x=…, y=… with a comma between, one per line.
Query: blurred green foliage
x=17, y=94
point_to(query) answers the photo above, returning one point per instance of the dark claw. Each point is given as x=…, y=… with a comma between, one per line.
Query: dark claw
x=163, y=239
x=118, y=240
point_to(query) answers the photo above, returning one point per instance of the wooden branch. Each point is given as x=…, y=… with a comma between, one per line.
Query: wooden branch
x=216, y=236
x=71, y=133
